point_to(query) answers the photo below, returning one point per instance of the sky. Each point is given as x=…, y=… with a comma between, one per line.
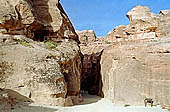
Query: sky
x=104, y=15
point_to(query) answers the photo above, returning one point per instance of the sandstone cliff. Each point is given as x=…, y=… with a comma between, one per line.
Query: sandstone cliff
x=136, y=70
x=46, y=72
x=134, y=60
x=137, y=64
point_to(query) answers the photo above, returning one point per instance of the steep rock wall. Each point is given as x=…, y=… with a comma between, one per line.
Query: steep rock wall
x=134, y=71
x=46, y=72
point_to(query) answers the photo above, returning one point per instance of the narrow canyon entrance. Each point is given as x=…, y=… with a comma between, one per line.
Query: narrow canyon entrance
x=91, y=83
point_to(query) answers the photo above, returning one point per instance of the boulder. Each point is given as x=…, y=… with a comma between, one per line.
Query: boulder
x=140, y=13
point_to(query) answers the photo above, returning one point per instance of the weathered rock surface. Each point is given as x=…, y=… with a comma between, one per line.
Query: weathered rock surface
x=143, y=24
x=135, y=70
x=86, y=36
x=135, y=62
x=47, y=72
x=37, y=19
x=10, y=99
x=44, y=74
x=137, y=66
x=164, y=23
x=140, y=13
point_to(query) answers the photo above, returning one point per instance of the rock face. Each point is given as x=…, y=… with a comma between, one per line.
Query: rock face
x=86, y=36
x=135, y=70
x=137, y=65
x=37, y=19
x=143, y=24
x=164, y=23
x=47, y=72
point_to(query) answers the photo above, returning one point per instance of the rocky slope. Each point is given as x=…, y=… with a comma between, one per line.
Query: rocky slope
x=46, y=72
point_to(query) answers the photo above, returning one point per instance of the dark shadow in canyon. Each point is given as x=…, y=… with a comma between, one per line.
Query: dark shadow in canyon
x=91, y=77
x=88, y=99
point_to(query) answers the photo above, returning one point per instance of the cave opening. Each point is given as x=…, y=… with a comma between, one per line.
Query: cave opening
x=91, y=77
x=40, y=35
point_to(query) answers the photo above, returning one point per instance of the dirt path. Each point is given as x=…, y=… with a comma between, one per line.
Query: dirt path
x=90, y=104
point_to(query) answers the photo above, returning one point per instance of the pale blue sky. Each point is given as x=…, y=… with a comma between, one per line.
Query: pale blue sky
x=103, y=15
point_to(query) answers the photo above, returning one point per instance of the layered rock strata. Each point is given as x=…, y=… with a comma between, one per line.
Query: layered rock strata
x=37, y=19
x=137, y=70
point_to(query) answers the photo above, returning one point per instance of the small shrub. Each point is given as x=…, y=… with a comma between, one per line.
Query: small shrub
x=155, y=105
x=126, y=105
x=50, y=44
x=25, y=43
x=49, y=56
x=153, y=40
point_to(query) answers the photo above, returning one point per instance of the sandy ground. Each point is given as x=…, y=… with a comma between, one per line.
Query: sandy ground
x=90, y=104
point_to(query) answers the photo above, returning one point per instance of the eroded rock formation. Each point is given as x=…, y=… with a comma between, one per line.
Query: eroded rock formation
x=47, y=72
x=137, y=64
x=37, y=19
x=86, y=36
x=143, y=24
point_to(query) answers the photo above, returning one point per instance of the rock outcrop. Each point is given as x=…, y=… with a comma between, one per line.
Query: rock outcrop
x=37, y=19
x=164, y=24
x=46, y=72
x=143, y=24
x=86, y=36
